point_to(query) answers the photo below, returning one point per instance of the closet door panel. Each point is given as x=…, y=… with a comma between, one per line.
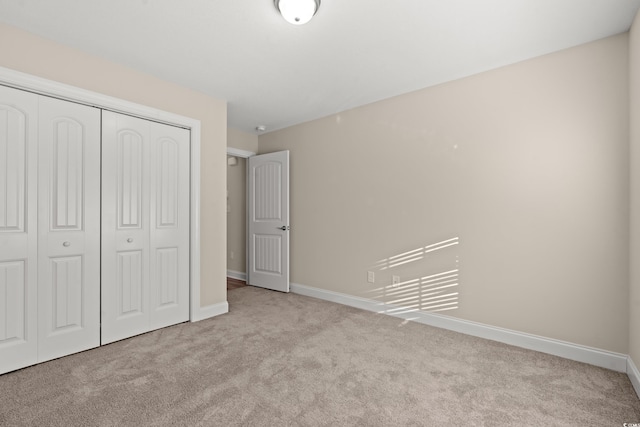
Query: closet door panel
x=125, y=226
x=145, y=231
x=69, y=228
x=18, y=229
x=169, y=239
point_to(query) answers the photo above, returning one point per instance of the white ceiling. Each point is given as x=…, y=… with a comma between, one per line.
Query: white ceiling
x=352, y=53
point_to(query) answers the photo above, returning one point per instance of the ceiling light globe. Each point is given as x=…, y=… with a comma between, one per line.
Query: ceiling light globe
x=297, y=12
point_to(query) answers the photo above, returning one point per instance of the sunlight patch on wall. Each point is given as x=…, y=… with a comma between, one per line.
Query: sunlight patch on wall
x=430, y=279
x=413, y=255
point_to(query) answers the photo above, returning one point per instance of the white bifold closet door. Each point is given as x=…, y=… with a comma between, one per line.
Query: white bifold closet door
x=145, y=226
x=49, y=228
x=18, y=229
x=68, y=228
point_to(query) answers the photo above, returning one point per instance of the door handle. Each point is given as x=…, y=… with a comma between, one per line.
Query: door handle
x=284, y=228
x=66, y=244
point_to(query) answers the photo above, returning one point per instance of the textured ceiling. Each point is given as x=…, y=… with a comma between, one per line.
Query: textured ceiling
x=352, y=53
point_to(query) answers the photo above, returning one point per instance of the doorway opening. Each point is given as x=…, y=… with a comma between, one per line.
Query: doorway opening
x=237, y=217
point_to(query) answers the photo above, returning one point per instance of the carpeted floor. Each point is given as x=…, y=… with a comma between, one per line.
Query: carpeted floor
x=284, y=359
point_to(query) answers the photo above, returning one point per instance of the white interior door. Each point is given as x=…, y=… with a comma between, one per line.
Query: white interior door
x=68, y=228
x=18, y=229
x=268, y=209
x=145, y=226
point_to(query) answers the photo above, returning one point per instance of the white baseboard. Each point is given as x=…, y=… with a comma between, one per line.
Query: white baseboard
x=634, y=375
x=210, y=311
x=237, y=275
x=593, y=356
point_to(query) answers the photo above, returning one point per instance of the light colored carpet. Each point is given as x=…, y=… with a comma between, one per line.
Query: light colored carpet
x=284, y=359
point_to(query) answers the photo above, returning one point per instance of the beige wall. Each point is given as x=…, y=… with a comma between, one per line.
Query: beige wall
x=28, y=53
x=242, y=140
x=526, y=165
x=236, y=216
x=634, y=297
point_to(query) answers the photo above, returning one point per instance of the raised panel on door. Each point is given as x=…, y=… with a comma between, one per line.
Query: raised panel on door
x=69, y=228
x=129, y=173
x=125, y=226
x=129, y=290
x=12, y=302
x=169, y=237
x=66, y=294
x=18, y=229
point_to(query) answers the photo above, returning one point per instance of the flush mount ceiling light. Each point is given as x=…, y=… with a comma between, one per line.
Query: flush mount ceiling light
x=297, y=12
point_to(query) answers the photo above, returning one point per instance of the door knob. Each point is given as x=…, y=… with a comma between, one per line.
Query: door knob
x=66, y=244
x=284, y=228
x=129, y=240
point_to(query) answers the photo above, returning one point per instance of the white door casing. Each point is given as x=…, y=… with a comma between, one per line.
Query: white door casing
x=145, y=226
x=68, y=228
x=18, y=229
x=268, y=211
